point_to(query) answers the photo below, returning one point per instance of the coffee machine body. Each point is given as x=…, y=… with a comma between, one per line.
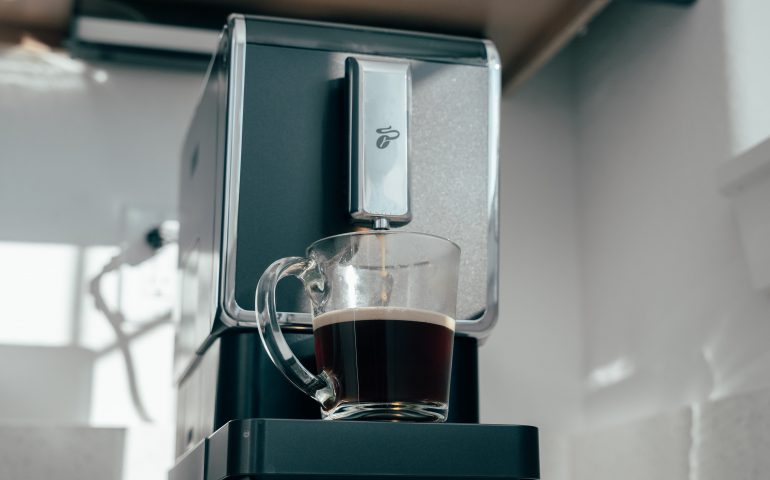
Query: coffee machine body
x=268, y=168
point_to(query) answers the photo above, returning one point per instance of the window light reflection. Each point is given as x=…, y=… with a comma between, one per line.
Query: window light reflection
x=610, y=374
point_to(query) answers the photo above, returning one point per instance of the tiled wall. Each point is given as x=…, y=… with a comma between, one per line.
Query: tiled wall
x=62, y=452
x=731, y=438
x=727, y=439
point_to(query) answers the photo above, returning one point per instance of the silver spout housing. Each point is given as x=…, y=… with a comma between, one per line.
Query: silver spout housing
x=379, y=105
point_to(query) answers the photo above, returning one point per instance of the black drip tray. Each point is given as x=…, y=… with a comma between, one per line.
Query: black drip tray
x=316, y=449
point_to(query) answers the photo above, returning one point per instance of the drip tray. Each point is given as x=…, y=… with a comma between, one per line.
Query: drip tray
x=316, y=449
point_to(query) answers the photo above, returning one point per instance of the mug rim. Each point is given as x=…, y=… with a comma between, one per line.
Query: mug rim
x=382, y=232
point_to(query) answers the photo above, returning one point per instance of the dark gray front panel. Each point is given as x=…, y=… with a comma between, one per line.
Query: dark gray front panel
x=293, y=169
x=293, y=185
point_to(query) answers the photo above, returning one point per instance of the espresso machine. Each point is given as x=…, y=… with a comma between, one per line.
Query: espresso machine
x=274, y=159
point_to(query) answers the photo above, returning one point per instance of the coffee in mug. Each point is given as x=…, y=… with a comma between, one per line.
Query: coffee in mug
x=383, y=323
x=386, y=354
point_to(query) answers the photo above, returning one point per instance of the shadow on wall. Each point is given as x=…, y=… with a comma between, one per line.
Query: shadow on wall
x=51, y=391
x=62, y=318
x=89, y=163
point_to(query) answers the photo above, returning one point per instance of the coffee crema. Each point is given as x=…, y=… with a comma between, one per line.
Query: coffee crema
x=386, y=354
x=383, y=313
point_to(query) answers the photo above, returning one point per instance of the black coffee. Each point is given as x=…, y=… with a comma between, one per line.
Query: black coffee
x=381, y=354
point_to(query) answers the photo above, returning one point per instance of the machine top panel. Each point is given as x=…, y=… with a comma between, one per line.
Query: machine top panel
x=365, y=40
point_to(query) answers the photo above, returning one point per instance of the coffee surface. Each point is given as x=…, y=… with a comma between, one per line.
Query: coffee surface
x=383, y=354
x=383, y=313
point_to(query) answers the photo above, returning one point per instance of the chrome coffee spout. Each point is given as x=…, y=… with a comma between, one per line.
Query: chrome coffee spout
x=379, y=104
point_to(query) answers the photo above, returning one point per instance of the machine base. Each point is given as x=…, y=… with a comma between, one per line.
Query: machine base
x=317, y=449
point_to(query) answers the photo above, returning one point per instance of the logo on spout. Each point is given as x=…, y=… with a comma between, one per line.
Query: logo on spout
x=387, y=135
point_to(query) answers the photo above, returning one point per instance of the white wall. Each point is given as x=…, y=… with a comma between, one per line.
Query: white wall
x=88, y=160
x=76, y=150
x=625, y=290
x=746, y=37
x=530, y=365
x=669, y=313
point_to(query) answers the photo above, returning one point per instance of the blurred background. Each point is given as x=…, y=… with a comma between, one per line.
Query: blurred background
x=635, y=228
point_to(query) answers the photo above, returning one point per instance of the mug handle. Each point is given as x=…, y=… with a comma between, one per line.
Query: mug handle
x=320, y=387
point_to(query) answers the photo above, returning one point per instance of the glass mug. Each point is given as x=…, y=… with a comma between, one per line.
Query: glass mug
x=383, y=323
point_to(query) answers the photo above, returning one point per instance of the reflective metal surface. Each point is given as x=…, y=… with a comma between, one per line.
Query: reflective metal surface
x=378, y=99
x=231, y=311
x=480, y=327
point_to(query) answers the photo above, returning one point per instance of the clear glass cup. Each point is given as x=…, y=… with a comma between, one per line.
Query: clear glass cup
x=383, y=323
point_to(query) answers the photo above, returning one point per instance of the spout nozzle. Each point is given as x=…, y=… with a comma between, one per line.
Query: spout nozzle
x=381, y=223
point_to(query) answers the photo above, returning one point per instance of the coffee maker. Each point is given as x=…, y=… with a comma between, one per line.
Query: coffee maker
x=275, y=158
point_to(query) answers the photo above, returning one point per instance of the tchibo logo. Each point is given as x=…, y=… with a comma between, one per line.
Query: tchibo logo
x=387, y=135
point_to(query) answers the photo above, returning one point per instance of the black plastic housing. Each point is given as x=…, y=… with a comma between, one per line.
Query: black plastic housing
x=249, y=385
x=325, y=450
